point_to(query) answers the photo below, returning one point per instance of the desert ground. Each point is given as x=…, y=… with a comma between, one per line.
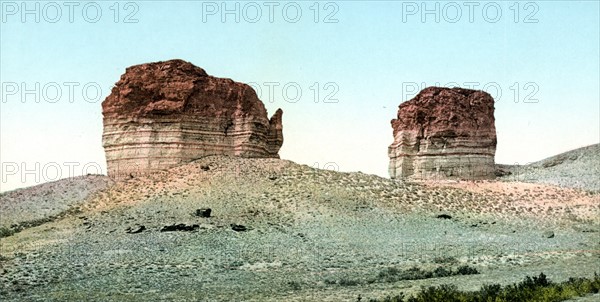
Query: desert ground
x=280, y=231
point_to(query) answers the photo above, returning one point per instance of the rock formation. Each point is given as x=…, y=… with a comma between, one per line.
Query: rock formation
x=163, y=114
x=444, y=133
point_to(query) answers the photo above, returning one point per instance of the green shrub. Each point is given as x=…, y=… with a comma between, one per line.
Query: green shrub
x=531, y=289
x=489, y=292
x=295, y=285
x=466, y=270
x=442, y=272
x=392, y=274
x=445, y=260
x=389, y=273
x=348, y=282
x=397, y=298
x=344, y=281
x=446, y=293
x=5, y=232
x=415, y=273
x=330, y=281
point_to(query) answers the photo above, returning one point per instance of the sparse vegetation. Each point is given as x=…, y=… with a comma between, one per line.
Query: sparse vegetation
x=5, y=232
x=444, y=260
x=308, y=239
x=537, y=288
x=466, y=270
x=344, y=281
x=295, y=285
x=348, y=282
x=393, y=274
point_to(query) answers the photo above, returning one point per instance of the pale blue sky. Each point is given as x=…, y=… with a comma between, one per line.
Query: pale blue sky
x=371, y=55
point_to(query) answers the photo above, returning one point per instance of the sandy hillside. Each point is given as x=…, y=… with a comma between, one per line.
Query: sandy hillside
x=282, y=231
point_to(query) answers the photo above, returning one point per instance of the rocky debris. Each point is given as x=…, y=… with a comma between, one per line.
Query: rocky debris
x=205, y=167
x=443, y=216
x=338, y=242
x=203, y=212
x=163, y=114
x=444, y=133
x=86, y=222
x=180, y=227
x=238, y=227
x=481, y=223
x=501, y=171
x=548, y=234
x=585, y=229
x=135, y=229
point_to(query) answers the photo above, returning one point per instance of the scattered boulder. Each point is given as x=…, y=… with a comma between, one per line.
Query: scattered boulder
x=163, y=114
x=444, y=133
x=135, y=229
x=179, y=227
x=585, y=228
x=501, y=172
x=204, y=167
x=548, y=234
x=203, y=212
x=443, y=216
x=238, y=227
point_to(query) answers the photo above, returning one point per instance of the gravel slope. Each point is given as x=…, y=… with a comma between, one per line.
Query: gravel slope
x=49, y=199
x=579, y=168
x=311, y=235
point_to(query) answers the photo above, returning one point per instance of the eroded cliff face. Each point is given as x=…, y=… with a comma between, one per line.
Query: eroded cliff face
x=163, y=114
x=444, y=133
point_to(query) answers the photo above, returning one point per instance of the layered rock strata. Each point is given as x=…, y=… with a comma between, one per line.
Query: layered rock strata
x=163, y=114
x=446, y=133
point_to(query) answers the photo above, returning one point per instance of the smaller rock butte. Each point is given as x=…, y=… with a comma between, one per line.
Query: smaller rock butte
x=446, y=133
x=164, y=114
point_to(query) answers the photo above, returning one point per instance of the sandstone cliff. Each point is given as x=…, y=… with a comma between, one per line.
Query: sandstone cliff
x=444, y=133
x=163, y=114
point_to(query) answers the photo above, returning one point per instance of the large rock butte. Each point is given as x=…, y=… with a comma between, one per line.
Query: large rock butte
x=446, y=133
x=163, y=114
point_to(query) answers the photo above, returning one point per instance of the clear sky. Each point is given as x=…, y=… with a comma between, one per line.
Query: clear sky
x=363, y=57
